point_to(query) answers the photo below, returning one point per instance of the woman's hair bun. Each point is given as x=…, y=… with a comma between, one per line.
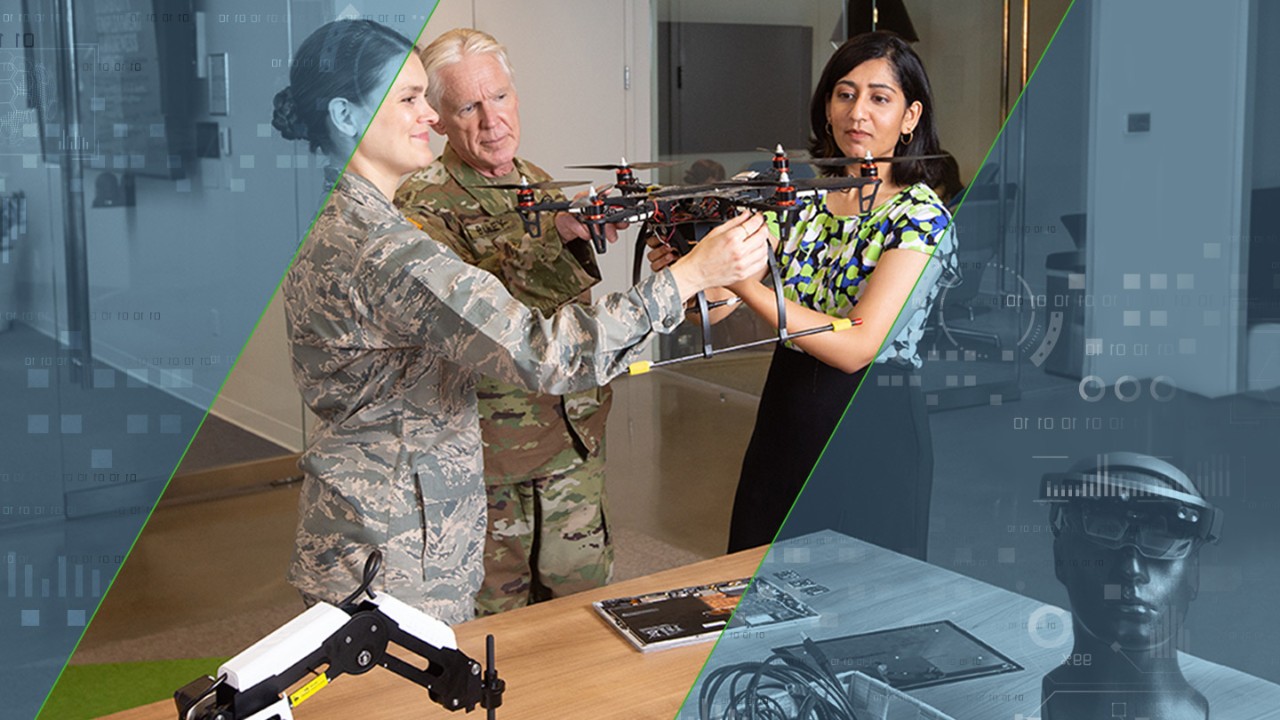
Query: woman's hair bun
x=285, y=116
x=340, y=59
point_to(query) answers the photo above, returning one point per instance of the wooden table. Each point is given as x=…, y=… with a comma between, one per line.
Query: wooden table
x=559, y=659
x=562, y=662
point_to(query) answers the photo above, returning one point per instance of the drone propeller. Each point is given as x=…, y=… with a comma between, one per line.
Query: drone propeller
x=544, y=185
x=778, y=149
x=821, y=183
x=624, y=165
x=627, y=181
x=843, y=161
x=575, y=204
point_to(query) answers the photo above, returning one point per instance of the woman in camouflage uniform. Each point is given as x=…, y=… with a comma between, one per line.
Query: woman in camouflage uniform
x=389, y=329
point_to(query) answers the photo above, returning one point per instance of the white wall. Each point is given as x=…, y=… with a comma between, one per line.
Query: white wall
x=1165, y=206
x=259, y=394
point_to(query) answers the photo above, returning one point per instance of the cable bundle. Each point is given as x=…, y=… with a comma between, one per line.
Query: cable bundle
x=783, y=687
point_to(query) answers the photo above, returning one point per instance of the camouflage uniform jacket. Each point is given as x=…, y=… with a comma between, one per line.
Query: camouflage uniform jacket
x=387, y=329
x=527, y=435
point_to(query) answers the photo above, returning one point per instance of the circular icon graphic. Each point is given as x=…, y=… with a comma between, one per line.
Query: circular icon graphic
x=1160, y=395
x=1049, y=626
x=1127, y=381
x=994, y=310
x=1092, y=388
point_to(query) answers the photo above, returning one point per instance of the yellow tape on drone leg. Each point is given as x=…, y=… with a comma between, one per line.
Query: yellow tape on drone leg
x=639, y=368
x=841, y=324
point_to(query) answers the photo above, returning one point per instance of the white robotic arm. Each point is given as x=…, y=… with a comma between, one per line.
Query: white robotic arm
x=327, y=641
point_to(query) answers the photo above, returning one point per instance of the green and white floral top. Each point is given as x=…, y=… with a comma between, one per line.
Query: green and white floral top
x=827, y=258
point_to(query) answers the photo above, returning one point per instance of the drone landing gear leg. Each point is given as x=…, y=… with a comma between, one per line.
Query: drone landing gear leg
x=598, y=237
x=531, y=223
x=704, y=311
x=788, y=219
x=867, y=198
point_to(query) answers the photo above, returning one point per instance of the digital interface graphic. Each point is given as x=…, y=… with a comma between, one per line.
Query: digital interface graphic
x=132, y=271
x=1118, y=295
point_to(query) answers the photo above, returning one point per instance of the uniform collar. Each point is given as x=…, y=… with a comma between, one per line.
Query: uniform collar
x=364, y=192
x=493, y=202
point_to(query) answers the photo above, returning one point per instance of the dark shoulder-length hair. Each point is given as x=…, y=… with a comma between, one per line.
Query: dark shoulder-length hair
x=911, y=77
x=341, y=59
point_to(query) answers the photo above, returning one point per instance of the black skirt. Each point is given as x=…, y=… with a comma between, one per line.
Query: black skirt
x=876, y=475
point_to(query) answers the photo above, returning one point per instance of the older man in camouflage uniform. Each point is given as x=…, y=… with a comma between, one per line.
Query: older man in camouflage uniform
x=544, y=454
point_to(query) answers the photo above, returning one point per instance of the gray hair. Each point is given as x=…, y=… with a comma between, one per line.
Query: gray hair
x=451, y=48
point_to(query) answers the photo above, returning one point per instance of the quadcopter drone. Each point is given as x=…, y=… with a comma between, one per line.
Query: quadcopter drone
x=679, y=216
x=262, y=683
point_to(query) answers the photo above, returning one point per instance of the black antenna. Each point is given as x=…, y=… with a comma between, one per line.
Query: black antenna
x=492, y=686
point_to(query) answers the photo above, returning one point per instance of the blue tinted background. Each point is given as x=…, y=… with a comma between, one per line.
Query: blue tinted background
x=1123, y=296
x=93, y=423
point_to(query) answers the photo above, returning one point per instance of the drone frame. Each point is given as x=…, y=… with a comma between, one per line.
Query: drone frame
x=775, y=192
x=784, y=203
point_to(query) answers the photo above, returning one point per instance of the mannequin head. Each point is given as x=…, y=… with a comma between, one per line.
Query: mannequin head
x=1128, y=529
